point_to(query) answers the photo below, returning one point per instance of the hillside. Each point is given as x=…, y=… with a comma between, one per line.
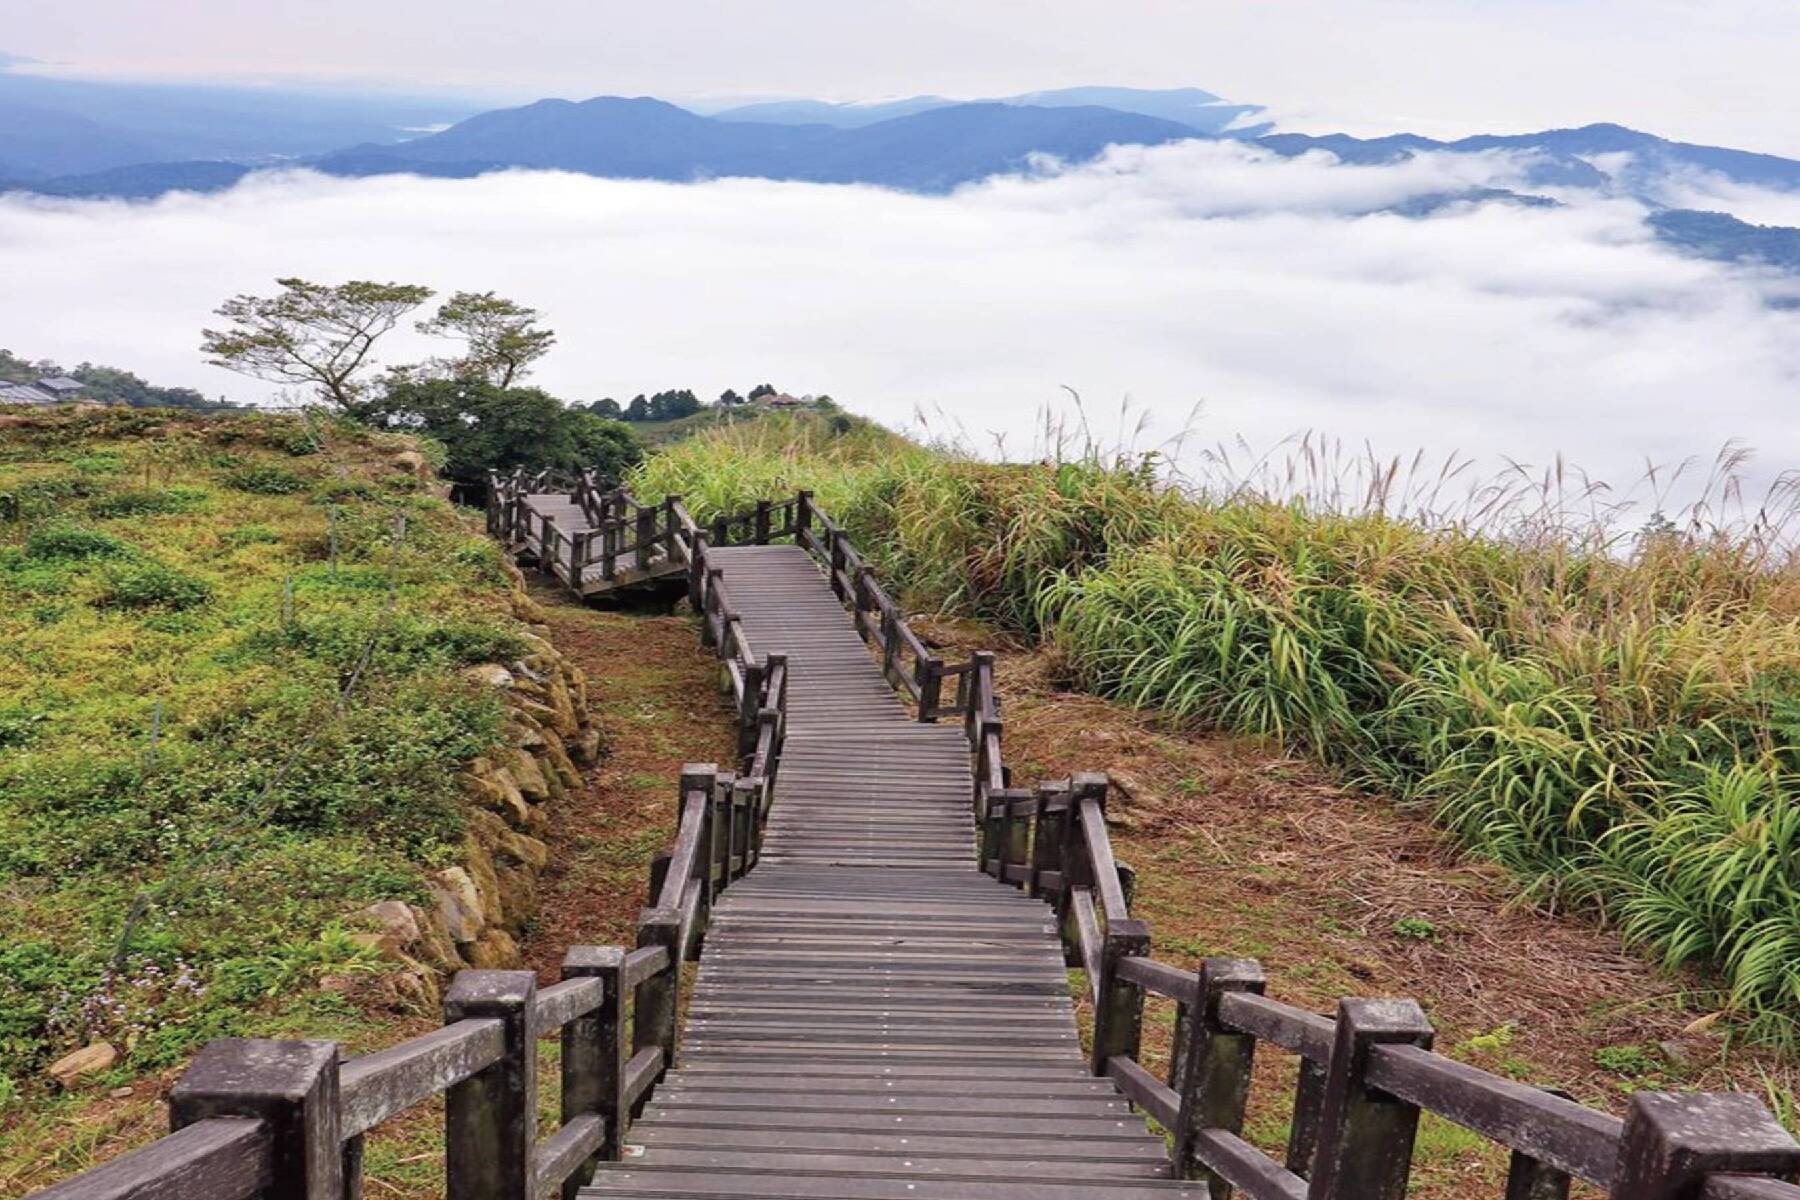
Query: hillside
x=275, y=734
x=1614, y=722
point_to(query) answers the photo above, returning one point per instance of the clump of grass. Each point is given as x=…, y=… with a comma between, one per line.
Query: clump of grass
x=1607, y=705
x=146, y=584
x=142, y=502
x=66, y=541
x=265, y=479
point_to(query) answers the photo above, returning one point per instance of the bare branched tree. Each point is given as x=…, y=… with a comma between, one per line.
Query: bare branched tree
x=503, y=337
x=319, y=335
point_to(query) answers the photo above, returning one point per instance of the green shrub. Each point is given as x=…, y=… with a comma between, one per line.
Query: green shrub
x=250, y=535
x=149, y=502
x=66, y=541
x=265, y=479
x=150, y=584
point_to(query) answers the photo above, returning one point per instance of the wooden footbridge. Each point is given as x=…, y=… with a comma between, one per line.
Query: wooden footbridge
x=883, y=1008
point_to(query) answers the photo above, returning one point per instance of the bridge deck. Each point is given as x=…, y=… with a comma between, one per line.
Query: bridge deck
x=559, y=558
x=874, y=1018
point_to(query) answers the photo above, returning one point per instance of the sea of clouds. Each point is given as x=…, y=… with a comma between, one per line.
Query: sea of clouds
x=1271, y=292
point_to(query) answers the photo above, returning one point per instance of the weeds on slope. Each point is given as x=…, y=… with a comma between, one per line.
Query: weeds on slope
x=1604, y=701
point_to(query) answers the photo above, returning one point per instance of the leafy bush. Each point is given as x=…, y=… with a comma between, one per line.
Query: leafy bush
x=265, y=479
x=251, y=535
x=149, y=502
x=67, y=541
x=148, y=584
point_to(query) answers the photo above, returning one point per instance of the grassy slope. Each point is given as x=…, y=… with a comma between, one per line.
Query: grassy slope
x=1620, y=730
x=209, y=722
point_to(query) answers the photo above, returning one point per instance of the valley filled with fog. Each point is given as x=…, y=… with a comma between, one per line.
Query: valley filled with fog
x=1224, y=291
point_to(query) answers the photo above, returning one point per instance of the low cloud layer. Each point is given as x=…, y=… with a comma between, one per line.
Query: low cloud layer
x=1260, y=288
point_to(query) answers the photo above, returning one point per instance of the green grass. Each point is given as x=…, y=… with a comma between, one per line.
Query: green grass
x=233, y=714
x=1615, y=718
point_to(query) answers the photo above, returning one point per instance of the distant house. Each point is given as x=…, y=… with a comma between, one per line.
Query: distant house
x=61, y=386
x=783, y=400
x=24, y=393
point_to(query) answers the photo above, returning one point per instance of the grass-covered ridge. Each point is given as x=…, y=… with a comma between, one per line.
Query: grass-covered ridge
x=1617, y=721
x=230, y=656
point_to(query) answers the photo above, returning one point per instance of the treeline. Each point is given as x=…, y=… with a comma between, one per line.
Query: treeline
x=106, y=385
x=675, y=404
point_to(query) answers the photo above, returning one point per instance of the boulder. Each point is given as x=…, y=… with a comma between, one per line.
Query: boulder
x=412, y=462
x=480, y=867
x=458, y=904
x=529, y=776
x=395, y=923
x=91, y=1059
x=490, y=674
x=496, y=951
x=499, y=794
x=588, y=746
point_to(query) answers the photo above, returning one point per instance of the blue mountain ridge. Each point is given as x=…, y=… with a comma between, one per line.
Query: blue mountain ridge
x=936, y=147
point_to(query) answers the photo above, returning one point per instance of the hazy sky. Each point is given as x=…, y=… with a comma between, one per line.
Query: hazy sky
x=1710, y=70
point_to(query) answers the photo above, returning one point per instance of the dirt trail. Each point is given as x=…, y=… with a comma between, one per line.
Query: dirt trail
x=654, y=690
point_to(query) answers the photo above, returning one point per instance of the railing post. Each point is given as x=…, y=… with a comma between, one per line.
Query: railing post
x=490, y=1118
x=593, y=1056
x=658, y=997
x=744, y=790
x=579, y=554
x=697, y=577
x=929, y=674
x=646, y=536
x=748, y=706
x=722, y=839
x=762, y=522
x=669, y=525
x=1119, y=1007
x=834, y=545
x=1303, y=1126
x=293, y=1088
x=721, y=531
x=1015, y=837
x=890, y=643
x=609, y=544
x=753, y=825
x=1077, y=870
x=1046, y=842
x=1671, y=1143
x=1211, y=1068
x=1366, y=1136
x=803, y=513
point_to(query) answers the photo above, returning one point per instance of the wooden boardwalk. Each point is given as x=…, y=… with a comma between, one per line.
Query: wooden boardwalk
x=873, y=1016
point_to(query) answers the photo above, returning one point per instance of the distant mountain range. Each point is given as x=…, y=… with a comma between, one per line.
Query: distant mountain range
x=1198, y=110
x=61, y=138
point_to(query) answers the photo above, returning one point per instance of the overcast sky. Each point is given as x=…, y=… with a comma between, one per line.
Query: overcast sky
x=1719, y=71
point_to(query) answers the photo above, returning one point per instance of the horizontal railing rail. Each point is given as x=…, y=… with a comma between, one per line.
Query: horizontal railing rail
x=1365, y=1074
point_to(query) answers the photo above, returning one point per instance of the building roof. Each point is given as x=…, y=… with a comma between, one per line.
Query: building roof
x=24, y=393
x=59, y=384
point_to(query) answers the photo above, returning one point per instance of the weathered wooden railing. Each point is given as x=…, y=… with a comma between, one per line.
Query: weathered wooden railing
x=624, y=539
x=286, y=1119
x=1365, y=1075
